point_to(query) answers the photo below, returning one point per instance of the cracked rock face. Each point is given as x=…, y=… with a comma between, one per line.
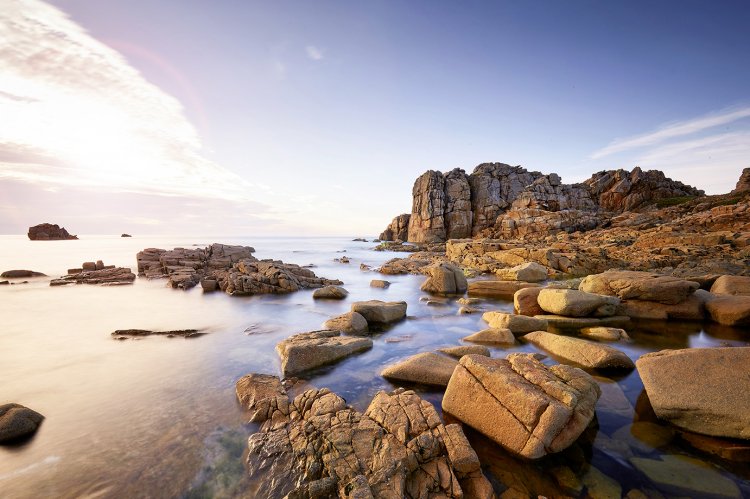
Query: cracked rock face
x=398, y=230
x=529, y=409
x=306, y=351
x=398, y=448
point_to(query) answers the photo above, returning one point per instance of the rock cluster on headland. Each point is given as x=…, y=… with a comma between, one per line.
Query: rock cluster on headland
x=232, y=269
x=49, y=232
x=317, y=446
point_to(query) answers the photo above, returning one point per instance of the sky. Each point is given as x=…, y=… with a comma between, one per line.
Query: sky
x=248, y=118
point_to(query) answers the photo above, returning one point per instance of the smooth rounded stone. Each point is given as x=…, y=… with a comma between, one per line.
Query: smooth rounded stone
x=525, y=302
x=729, y=310
x=330, y=293
x=518, y=324
x=444, y=278
x=691, y=309
x=498, y=289
x=700, y=389
x=504, y=399
x=17, y=421
x=574, y=303
x=636, y=285
x=379, y=283
x=426, y=368
x=581, y=352
x=529, y=272
x=306, y=351
x=461, y=350
x=582, y=322
x=380, y=312
x=645, y=436
x=349, y=323
x=492, y=335
x=262, y=395
x=686, y=476
x=613, y=399
x=209, y=284
x=604, y=333
x=15, y=274
x=731, y=285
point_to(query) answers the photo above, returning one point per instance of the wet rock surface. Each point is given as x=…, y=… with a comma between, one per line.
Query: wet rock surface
x=427, y=368
x=397, y=448
x=699, y=389
x=527, y=408
x=17, y=422
x=305, y=351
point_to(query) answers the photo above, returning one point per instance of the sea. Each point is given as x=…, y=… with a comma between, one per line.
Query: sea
x=158, y=416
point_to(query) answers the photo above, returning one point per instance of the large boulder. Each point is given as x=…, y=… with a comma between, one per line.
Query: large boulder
x=575, y=303
x=529, y=409
x=525, y=301
x=263, y=395
x=581, y=352
x=330, y=293
x=636, y=285
x=349, y=323
x=49, y=232
x=426, y=368
x=444, y=278
x=397, y=230
x=306, y=351
x=17, y=421
x=690, y=309
x=705, y=390
x=728, y=285
x=729, y=310
x=498, y=289
x=518, y=324
x=398, y=448
x=380, y=312
x=529, y=272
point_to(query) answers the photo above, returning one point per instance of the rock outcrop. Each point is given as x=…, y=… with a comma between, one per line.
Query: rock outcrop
x=49, y=232
x=317, y=446
x=705, y=390
x=444, y=278
x=17, y=421
x=503, y=201
x=305, y=351
x=398, y=230
x=529, y=409
x=109, y=276
x=743, y=184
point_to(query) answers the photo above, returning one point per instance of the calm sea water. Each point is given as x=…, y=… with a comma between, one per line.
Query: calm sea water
x=157, y=417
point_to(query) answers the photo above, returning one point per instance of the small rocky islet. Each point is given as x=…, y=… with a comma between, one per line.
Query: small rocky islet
x=582, y=265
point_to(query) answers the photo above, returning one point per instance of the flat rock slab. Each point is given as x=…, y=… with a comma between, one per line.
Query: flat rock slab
x=529, y=272
x=427, y=368
x=380, y=312
x=684, y=476
x=349, y=323
x=525, y=301
x=729, y=310
x=581, y=322
x=263, y=395
x=459, y=351
x=305, y=351
x=705, y=390
x=111, y=277
x=529, y=409
x=492, y=335
x=581, y=352
x=15, y=274
x=518, y=324
x=17, y=421
x=604, y=333
x=138, y=333
x=498, y=289
x=330, y=293
x=575, y=303
x=635, y=285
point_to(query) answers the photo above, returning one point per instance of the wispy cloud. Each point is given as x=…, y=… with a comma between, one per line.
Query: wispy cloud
x=314, y=52
x=75, y=112
x=672, y=131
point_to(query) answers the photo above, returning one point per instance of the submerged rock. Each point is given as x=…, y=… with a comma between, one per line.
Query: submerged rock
x=17, y=421
x=380, y=312
x=685, y=476
x=700, y=389
x=527, y=408
x=426, y=368
x=581, y=352
x=306, y=351
x=49, y=232
x=397, y=448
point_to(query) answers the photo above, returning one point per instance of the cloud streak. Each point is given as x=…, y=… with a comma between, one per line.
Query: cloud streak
x=672, y=131
x=76, y=113
x=314, y=53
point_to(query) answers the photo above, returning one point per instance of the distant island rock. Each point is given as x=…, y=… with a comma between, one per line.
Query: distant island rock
x=49, y=232
x=126, y=235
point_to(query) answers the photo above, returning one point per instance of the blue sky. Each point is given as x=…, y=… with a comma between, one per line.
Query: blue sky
x=316, y=117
